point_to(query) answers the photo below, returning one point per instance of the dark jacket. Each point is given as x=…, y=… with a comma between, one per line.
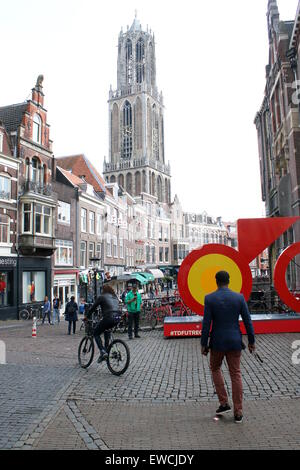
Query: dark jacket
x=223, y=308
x=109, y=306
x=71, y=311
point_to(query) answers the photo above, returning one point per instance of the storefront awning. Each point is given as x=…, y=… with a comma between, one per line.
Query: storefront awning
x=148, y=276
x=157, y=273
x=132, y=277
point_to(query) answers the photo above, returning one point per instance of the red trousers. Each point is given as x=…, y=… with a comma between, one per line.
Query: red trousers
x=233, y=359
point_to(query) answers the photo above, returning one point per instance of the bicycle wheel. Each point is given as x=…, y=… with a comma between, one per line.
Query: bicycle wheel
x=24, y=314
x=118, y=357
x=153, y=321
x=86, y=352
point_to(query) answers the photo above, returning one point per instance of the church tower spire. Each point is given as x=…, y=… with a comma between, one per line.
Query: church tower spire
x=136, y=153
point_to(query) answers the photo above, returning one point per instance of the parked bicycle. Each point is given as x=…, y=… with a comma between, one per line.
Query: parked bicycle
x=31, y=311
x=118, y=354
x=122, y=325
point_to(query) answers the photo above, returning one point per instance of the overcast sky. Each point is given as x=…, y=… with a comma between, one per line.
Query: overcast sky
x=211, y=58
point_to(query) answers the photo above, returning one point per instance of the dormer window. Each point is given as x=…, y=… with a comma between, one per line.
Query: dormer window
x=37, y=129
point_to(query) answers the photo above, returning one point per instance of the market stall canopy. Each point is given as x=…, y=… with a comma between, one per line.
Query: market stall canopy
x=157, y=273
x=148, y=276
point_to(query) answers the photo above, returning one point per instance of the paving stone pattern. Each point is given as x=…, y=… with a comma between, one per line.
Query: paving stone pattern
x=165, y=400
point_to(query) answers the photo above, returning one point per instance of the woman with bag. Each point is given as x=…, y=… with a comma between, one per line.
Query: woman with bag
x=71, y=314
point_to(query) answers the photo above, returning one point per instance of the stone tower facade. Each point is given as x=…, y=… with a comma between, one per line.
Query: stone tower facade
x=136, y=120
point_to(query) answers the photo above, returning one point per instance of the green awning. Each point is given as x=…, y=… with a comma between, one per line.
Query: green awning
x=148, y=276
x=139, y=278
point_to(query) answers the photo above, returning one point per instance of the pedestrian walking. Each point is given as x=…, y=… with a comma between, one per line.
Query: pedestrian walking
x=46, y=310
x=222, y=309
x=71, y=314
x=133, y=301
x=56, y=306
x=82, y=306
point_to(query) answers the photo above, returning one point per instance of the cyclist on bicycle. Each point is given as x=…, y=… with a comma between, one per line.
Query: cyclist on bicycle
x=109, y=304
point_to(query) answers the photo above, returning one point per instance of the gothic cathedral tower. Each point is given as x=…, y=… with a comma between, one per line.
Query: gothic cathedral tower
x=136, y=114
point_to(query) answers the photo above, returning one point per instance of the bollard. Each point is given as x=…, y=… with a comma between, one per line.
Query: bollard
x=34, y=328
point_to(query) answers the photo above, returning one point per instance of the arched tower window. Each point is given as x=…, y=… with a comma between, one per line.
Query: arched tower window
x=159, y=188
x=129, y=61
x=37, y=129
x=115, y=129
x=138, y=183
x=149, y=128
x=140, y=61
x=155, y=132
x=129, y=183
x=121, y=180
x=152, y=65
x=138, y=124
x=127, y=131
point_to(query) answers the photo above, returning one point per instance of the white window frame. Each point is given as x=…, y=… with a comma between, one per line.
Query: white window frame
x=108, y=245
x=23, y=216
x=37, y=125
x=43, y=216
x=5, y=179
x=92, y=222
x=1, y=142
x=64, y=210
x=83, y=219
x=99, y=224
x=81, y=251
x=121, y=248
x=7, y=224
x=64, y=245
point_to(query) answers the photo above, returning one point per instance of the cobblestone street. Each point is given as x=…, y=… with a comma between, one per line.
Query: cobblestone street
x=165, y=400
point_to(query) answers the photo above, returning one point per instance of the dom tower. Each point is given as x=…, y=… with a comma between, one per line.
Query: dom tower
x=136, y=112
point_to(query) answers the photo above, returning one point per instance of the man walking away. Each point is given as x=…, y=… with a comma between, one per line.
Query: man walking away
x=46, y=310
x=133, y=301
x=222, y=308
x=71, y=314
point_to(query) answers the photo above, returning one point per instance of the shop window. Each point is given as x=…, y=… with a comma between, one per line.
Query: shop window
x=5, y=188
x=6, y=288
x=4, y=229
x=64, y=212
x=64, y=253
x=34, y=286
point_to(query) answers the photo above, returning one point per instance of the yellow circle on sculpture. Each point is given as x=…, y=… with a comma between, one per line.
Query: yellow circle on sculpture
x=201, y=277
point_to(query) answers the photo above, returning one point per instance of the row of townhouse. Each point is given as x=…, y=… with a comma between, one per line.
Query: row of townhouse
x=278, y=132
x=60, y=220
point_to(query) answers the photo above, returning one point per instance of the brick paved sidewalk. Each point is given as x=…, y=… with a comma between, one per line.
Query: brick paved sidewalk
x=165, y=399
x=140, y=426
